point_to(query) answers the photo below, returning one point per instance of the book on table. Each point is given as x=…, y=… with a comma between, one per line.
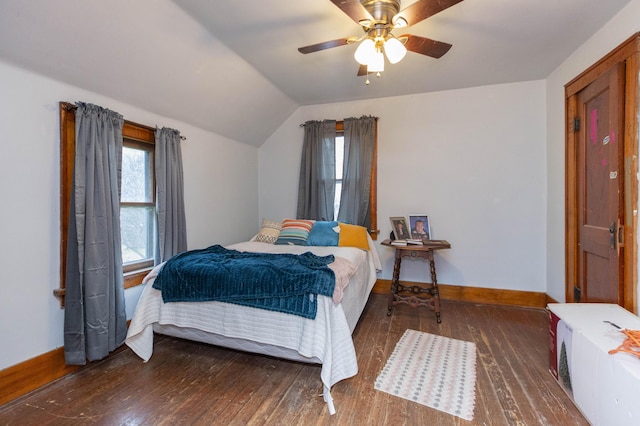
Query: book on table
x=406, y=242
x=437, y=243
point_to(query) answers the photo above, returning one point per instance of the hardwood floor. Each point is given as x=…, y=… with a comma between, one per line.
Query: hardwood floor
x=192, y=383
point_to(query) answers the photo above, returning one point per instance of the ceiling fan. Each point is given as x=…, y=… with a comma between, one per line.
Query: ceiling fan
x=378, y=18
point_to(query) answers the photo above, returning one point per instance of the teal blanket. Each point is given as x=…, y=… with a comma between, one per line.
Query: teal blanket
x=287, y=283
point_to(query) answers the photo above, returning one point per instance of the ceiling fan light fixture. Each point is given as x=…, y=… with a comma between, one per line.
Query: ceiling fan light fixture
x=395, y=50
x=365, y=52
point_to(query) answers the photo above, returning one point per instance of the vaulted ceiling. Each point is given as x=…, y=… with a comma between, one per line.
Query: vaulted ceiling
x=218, y=64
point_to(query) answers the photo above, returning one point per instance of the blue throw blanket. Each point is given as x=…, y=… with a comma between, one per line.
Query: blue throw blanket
x=279, y=282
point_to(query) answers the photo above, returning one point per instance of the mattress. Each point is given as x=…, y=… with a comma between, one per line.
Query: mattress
x=324, y=340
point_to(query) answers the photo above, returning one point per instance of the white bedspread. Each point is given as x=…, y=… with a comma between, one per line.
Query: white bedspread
x=326, y=339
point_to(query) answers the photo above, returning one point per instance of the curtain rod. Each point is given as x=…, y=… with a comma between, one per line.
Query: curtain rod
x=337, y=121
x=71, y=107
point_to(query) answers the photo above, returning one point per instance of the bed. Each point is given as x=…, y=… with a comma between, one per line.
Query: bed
x=325, y=340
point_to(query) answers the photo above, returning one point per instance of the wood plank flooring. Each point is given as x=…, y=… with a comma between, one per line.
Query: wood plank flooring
x=187, y=383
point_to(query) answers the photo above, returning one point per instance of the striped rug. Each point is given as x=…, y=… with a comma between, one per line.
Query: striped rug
x=431, y=370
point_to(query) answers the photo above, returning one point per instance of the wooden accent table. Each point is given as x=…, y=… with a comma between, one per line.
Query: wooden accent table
x=409, y=294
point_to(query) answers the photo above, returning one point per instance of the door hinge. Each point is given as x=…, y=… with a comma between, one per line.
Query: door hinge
x=577, y=294
x=576, y=124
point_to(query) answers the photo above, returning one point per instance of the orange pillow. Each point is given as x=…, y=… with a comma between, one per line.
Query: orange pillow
x=353, y=236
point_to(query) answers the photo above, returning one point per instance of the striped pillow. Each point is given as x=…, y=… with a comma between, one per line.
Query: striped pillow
x=294, y=232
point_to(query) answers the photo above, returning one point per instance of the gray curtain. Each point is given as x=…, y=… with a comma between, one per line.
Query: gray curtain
x=359, y=143
x=316, y=189
x=95, y=319
x=172, y=225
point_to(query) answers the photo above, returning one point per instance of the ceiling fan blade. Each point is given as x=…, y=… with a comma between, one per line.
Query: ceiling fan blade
x=354, y=10
x=425, y=46
x=362, y=70
x=325, y=45
x=422, y=9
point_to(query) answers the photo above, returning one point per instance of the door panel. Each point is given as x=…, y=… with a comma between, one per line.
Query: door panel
x=595, y=240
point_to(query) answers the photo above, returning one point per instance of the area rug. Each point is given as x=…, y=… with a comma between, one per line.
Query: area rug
x=431, y=370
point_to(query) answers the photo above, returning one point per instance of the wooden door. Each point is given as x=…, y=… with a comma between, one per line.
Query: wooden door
x=600, y=188
x=602, y=109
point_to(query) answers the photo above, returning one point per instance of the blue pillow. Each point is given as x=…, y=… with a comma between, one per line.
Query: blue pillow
x=323, y=234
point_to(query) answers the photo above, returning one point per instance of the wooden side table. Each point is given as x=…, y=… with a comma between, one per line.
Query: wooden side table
x=410, y=294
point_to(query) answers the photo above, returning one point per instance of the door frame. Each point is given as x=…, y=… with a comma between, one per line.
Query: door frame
x=629, y=54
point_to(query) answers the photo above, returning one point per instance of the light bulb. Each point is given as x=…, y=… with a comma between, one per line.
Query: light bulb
x=399, y=22
x=395, y=50
x=377, y=64
x=365, y=52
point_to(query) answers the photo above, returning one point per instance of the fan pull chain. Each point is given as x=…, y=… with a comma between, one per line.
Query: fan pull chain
x=368, y=82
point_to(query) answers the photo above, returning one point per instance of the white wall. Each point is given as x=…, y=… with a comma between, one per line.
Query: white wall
x=472, y=159
x=221, y=200
x=620, y=28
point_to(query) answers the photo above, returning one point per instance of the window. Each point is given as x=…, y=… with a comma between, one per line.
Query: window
x=373, y=195
x=137, y=206
x=138, y=144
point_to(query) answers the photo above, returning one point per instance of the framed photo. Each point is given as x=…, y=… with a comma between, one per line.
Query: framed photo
x=419, y=226
x=400, y=228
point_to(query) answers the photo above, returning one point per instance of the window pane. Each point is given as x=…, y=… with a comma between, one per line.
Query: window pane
x=339, y=156
x=137, y=183
x=339, y=164
x=336, y=203
x=137, y=227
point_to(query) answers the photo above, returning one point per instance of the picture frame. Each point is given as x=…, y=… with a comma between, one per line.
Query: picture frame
x=419, y=227
x=400, y=227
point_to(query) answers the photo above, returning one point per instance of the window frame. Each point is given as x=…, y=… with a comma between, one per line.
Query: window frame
x=131, y=131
